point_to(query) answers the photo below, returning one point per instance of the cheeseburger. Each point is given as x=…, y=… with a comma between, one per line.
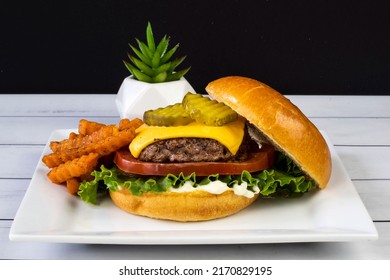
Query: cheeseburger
x=210, y=157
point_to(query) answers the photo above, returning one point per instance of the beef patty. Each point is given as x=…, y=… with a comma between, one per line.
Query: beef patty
x=189, y=150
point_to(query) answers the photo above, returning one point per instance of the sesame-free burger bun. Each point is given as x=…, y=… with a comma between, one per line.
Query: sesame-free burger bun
x=285, y=126
x=184, y=207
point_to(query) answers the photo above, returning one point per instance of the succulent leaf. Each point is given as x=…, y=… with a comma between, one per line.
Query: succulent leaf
x=163, y=46
x=150, y=37
x=144, y=49
x=141, y=56
x=156, y=59
x=169, y=54
x=164, y=68
x=142, y=66
x=128, y=66
x=154, y=63
x=161, y=77
x=142, y=76
x=176, y=63
x=177, y=75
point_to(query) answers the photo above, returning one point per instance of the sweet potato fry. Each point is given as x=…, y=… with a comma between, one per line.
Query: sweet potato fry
x=73, y=159
x=100, y=145
x=52, y=160
x=72, y=185
x=87, y=127
x=114, y=142
x=126, y=123
x=54, y=145
x=74, y=168
x=73, y=135
x=70, y=149
x=84, y=140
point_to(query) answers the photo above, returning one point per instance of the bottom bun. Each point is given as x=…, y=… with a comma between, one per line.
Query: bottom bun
x=183, y=207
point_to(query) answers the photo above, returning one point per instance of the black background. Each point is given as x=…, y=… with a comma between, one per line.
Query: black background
x=297, y=47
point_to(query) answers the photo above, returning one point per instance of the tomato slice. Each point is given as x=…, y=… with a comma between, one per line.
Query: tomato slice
x=259, y=160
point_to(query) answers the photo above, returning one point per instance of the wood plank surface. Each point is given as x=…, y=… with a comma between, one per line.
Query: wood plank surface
x=358, y=127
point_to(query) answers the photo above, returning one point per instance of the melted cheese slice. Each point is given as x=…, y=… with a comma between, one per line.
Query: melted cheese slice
x=229, y=135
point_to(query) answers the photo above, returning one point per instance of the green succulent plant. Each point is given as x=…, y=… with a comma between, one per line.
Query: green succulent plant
x=154, y=63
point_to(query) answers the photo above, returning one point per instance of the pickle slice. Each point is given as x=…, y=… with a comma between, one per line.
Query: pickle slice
x=172, y=115
x=207, y=111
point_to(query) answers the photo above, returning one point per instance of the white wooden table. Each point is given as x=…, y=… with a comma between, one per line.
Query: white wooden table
x=358, y=126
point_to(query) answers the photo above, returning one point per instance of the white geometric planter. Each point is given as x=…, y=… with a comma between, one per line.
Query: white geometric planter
x=135, y=97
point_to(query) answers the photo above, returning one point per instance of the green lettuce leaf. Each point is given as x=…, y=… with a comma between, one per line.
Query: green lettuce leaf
x=284, y=180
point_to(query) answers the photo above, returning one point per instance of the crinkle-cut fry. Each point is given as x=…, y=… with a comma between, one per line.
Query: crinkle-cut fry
x=115, y=142
x=84, y=140
x=52, y=160
x=103, y=147
x=73, y=135
x=99, y=141
x=54, y=145
x=87, y=127
x=88, y=143
x=74, y=168
x=126, y=123
x=69, y=149
x=72, y=185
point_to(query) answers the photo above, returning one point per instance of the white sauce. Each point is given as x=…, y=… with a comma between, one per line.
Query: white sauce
x=217, y=187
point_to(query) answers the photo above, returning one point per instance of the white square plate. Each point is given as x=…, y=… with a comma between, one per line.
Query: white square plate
x=48, y=213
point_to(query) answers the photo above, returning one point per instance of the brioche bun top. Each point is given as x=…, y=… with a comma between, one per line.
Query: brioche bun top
x=279, y=120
